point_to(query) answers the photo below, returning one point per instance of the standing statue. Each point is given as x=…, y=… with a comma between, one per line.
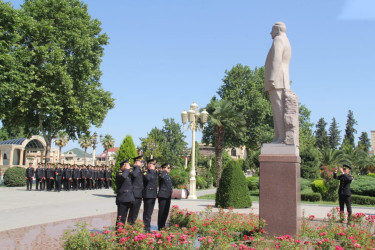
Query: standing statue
x=277, y=84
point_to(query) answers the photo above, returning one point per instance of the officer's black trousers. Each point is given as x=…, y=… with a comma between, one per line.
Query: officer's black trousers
x=29, y=183
x=58, y=185
x=148, y=208
x=164, y=205
x=134, y=211
x=122, y=211
x=38, y=183
x=345, y=199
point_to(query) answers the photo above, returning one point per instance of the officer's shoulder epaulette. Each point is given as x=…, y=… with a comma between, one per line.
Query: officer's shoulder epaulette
x=119, y=172
x=144, y=173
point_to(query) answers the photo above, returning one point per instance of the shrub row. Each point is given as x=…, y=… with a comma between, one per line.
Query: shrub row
x=363, y=185
x=363, y=200
x=310, y=196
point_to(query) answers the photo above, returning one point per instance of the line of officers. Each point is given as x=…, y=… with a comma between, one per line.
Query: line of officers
x=67, y=177
x=135, y=184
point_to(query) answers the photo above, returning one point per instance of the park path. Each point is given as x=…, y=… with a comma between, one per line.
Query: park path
x=21, y=208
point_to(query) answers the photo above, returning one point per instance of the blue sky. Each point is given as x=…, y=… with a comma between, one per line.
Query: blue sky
x=165, y=54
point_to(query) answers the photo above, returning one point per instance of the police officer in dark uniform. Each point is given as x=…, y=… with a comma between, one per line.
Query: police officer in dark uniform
x=58, y=177
x=44, y=179
x=29, y=176
x=49, y=177
x=125, y=196
x=39, y=174
x=68, y=177
x=344, y=190
x=83, y=177
x=64, y=177
x=89, y=177
x=75, y=177
x=164, y=194
x=137, y=181
x=149, y=192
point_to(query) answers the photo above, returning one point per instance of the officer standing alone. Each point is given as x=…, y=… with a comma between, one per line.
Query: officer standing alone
x=344, y=190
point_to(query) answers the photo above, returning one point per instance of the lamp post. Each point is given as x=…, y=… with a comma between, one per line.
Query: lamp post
x=196, y=121
x=186, y=151
x=94, y=141
x=152, y=145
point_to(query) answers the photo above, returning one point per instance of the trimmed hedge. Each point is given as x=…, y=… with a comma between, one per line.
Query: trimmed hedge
x=309, y=196
x=232, y=190
x=254, y=193
x=15, y=177
x=252, y=183
x=363, y=185
x=362, y=200
x=371, y=175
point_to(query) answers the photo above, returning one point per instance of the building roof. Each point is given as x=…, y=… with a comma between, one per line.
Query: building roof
x=78, y=153
x=111, y=150
x=13, y=141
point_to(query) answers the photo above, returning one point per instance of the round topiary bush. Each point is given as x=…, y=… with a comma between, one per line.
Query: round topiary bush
x=233, y=191
x=15, y=177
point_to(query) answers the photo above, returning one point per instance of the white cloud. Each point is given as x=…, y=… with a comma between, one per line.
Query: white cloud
x=358, y=10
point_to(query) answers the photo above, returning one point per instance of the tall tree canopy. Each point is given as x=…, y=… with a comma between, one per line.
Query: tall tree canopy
x=350, y=130
x=334, y=134
x=364, y=142
x=244, y=88
x=322, y=139
x=51, y=54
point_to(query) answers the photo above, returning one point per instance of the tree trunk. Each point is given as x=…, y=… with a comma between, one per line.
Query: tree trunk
x=60, y=154
x=85, y=156
x=219, y=142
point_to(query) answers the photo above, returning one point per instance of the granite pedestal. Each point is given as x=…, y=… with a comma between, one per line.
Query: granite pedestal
x=279, y=197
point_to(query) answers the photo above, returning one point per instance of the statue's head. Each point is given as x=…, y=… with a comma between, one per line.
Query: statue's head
x=277, y=29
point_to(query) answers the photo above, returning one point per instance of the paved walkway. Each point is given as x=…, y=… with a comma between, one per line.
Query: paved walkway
x=21, y=208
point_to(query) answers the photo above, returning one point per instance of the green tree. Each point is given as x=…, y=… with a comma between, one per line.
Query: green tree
x=349, y=129
x=108, y=142
x=51, y=79
x=155, y=136
x=85, y=142
x=334, y=134
x=309, y=154
x=170, y=141
x=174, y=143
x=126, y=150
x=224, y=119
x=364, y=142
x=322, y=139
x=61, y=140
x=331, y=157
x=244, y=88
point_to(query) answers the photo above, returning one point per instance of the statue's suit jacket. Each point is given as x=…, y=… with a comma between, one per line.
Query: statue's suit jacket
x=277, y=63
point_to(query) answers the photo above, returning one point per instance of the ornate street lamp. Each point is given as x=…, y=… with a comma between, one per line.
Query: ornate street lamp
x=94, y=141
x=196, y=121
x=152, y=146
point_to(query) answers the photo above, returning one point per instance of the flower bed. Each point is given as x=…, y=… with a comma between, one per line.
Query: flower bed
x=227, y=230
